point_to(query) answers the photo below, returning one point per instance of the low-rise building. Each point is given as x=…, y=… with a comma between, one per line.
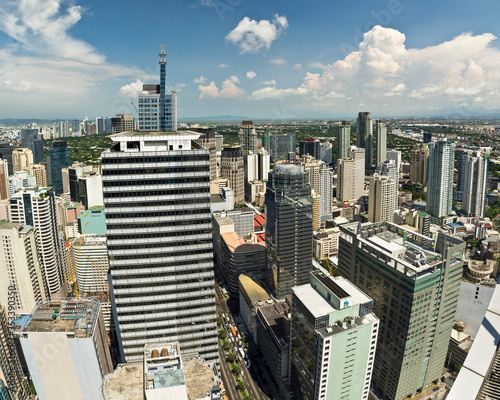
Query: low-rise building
x=66, y=348
x=326, y=242
x=251, y=296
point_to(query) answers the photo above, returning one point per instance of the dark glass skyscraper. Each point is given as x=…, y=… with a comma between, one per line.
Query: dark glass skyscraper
x=6, y=154
x=33, y=140
x=364, y=136
x=57, y=160
x=289, y=228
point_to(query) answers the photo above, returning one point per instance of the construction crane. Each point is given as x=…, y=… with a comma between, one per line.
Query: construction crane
x=329, y=267
x=100, y=269
x=135, y=107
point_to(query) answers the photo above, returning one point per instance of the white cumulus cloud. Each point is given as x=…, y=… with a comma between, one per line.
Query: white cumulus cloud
x=251, y=75
x=200, y=80
x=278, y=61
x=224, y=65
x=252, y=36
x=234, y=79
x=386, y=75
x=270, y=83
x=132, y=89
x=229, y=89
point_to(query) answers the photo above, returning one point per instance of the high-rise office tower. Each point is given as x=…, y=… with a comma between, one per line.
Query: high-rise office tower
x=38, y=208
x=33, y=140
x=364, y=137
x=66, y=348
x=157, y=108
x=20, y=180
x=343, y=139
x=289, y=228
x=6, y=154
x=419, y=164
x=99, y=123
x=316, y=210
x=351, y=175
x=21, y=159
x=207, y=140
x=159, y=232
x=122, y=123
x=21, y=273
x=335, y=330
x=440, y=181
x=57, y=160
x=414, y=281
x=232, y=168
x=310, y=146
x=4, y=179
x=280, y=146
x=85, y=185
x=11, y=372
x=390, y=169
x=40, y=173
x=75, y=127
x=427, y=137
x=311, y=166
x=325, y=191
x=326, y=152
x=462, y=165
x=247, y=137
x=383, y=198
x=91, y=263
x=380, y=131
x=257, y=166
x=396, y=156
x=476, y=182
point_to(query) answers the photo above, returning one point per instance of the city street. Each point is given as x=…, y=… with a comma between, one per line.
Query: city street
x=254, y=386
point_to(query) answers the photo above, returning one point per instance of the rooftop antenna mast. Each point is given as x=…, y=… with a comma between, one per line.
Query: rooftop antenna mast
x=163, y=78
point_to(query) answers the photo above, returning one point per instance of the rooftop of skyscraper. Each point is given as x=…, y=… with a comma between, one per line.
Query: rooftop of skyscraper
x=76, y=315
x=406, y=250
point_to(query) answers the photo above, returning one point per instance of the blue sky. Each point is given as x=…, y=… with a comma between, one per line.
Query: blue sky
x=279, y=59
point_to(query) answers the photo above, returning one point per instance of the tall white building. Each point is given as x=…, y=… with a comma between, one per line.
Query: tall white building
x=159, y=233
x=21, y=274
x=476, y=182
x=325, y=191
x=257, y=165
x=440, y=179
x=66, y=348
x=380, y=131
x=396, y=156
x=38, y=208
x=20, y=180
x=351, y=175
x=383, y=199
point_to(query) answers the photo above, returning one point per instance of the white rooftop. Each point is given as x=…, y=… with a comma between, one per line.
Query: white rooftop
x=311, y=299
x=357, y=296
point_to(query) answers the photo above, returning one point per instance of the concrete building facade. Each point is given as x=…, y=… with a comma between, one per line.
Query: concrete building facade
x=66, y=348
x=232, y=168
x=159, y=237
x=21, y=277
x=334, y=328
x=415, y=288
x=440, y=181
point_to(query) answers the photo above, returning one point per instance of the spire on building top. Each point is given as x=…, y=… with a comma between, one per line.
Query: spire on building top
x=162, y=54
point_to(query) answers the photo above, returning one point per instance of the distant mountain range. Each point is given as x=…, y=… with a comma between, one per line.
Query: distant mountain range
x=24, y=121
x=219, y=118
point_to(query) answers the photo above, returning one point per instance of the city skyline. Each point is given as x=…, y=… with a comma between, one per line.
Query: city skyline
x=263, y=60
